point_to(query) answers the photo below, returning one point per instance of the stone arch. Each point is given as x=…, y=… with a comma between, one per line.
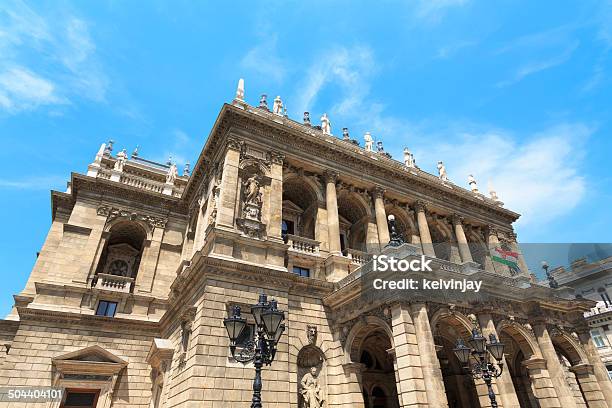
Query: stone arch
x=525, y=340
x=357, y=212
x=301, y=200
x=568, y=346
x=112, y=224
x=121, y=249
x=251, y=163
x=357, y=334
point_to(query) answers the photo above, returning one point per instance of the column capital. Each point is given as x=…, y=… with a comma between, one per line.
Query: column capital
x=491, y=229
x=277, y=157
x=378, y=192
x=330, y=176
x=457, y=219
x=420, y=206
x=234, y=143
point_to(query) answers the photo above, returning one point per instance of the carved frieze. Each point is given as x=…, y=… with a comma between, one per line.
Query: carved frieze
x=112, y=213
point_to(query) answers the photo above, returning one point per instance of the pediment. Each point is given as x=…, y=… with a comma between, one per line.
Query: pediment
x=289, y=206
x=89, y=360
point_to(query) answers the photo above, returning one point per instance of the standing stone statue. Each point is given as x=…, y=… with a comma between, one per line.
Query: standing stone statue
x=251, y=190
x=473, y=185
x=369, y=142
x=307, y=118
x=311, y=390
x=325, y=124
x=442, y=171
x=172, y=174
x=277, y=107
x=263, y=101
x=408, y=158
x=121, y=159
x=240, y=90
x=345, y=134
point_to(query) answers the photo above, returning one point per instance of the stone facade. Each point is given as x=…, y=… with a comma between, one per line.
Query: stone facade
x=141, y=265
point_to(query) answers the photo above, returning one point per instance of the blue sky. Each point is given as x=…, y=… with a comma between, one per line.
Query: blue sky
x=516, y=92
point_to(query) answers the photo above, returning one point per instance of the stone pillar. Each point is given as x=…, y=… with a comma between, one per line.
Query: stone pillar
x=276, y=196
x=333, y=220
x=555, y=370
x=543, y=387
x=409, y=374
x=462, y=242
x=381, y=217
x=228, y=200
x=505, y=387
x=493, y=242
x=430, y=365
x=148, y=264
x=351, y=396
x=424, y=234
x=589, y=386
x=599, y=369
x=521, y=259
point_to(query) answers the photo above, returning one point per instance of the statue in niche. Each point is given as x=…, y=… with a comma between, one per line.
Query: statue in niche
x=311, y=390
x=252, y=194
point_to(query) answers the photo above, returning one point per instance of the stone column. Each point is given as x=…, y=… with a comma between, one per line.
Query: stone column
x=351, y=387
x=493, y=242
x=555, y=370
x=589, y=386
x=462, y=242
x=148, y=264
x=381, y=217
x=599, y=369
x=428, y=248
x=333, y=220
x=430, y=365
x=521, y=259
x=228, y=200
x=276, y=196
x=543, y=387
x=409, y=374
x=505, y=387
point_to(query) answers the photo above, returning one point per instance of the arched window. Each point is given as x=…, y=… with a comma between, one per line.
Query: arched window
x=123, y=250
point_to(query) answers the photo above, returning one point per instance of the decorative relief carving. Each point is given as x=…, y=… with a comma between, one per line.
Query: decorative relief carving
x=112, y=213
x=311, y=334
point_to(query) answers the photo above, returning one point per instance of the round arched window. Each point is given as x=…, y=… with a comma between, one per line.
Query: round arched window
x=118, y=267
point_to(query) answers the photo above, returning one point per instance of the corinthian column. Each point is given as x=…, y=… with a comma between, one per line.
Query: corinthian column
x=381, y=217
x=464, y=249
x=424, y=229
x=333, y=221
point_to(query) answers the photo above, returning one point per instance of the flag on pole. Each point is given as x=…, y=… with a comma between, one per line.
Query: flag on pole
x=506, y=257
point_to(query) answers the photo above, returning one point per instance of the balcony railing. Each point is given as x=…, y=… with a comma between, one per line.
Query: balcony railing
x=140, y=182
x=303, y=245
x=357, y=257
x=114, y=282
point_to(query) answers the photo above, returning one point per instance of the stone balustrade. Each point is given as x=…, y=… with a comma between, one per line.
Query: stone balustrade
x=303, y=245
x=114, y=282
x=358, y=257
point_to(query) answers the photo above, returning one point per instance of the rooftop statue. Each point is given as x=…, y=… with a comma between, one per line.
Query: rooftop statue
x=325, y=124
x=121, y=159
x=277, y=108
x=408, y=158
x=240, y=90
x=369, y=142
x=307, y=118
x=473, y=185
x=172, y=174
x=442, y=171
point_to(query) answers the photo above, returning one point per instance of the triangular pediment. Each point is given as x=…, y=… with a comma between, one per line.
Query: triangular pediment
x=91, y=354
x=291, y=207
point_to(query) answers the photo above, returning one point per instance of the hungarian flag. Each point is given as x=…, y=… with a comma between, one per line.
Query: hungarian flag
x=506, y=257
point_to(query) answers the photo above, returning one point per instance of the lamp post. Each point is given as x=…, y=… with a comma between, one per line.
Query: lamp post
x=261, y=349
x=396, y=239
x=480, y=365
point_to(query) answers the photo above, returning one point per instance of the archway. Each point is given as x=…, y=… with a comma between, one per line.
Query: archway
x=404, y=224
x=354, y=218
x=519, y=349
x=122, y=250
x=300, y=207
x=569, y=355
x=370, y=345
x=459, y=387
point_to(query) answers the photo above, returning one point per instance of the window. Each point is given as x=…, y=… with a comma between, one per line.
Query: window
x=106, y=308
x=609, y=371
x=597, y=338
x=305, y=272
x=80, y=399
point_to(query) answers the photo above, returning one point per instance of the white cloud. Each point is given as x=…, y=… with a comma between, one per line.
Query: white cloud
x=537, y=175
x=434, y=10
x=61, y=44
x=533, y=67
x=263, y=59
x=21, y=89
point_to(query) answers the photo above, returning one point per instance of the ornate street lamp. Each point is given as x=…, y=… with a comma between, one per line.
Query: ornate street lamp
x=551, y=279
x=396, y=239
x=480, y=365
x=261, y=349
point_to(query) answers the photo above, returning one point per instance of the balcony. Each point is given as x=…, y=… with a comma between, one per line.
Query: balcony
x=114, y=283
x=303, y=245
x=357, y=257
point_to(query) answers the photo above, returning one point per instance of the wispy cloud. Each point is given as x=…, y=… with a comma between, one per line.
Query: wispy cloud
x=33, y=183
x=533, y=67
x=59, y=42
x=450, y=50
x=263, y=59
x=434, y=10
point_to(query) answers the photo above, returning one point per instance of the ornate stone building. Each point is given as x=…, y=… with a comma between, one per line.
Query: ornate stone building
x=125, y=304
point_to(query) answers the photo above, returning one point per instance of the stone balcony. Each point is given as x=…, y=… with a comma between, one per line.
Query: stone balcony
x=303, y=245
x=357, y=257
x=115, y=283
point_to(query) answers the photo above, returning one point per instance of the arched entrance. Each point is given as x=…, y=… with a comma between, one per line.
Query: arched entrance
x=569, y=355
x=459, y=387
x=370, y=345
